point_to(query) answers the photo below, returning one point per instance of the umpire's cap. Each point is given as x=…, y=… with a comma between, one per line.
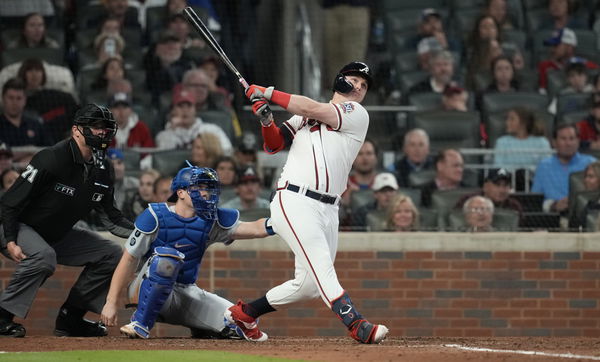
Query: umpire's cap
x=360, y=69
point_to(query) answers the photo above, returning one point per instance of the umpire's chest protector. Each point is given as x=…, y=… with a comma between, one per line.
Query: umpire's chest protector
x=188, y=235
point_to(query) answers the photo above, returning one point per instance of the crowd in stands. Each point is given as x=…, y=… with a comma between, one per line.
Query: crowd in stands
x=517, y=78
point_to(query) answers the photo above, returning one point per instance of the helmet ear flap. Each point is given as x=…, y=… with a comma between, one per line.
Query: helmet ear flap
x=341, y=84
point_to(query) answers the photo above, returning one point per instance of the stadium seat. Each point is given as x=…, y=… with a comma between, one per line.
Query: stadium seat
x=577, y=202
x=413, y=193
x=572, y=103
x=168, y=162
x=464, y=20
x=131, y=159
x=503, y=220
x=408, y=79
x=495, y=102
x=407, y=61
x=495, y=124
x=571, y=117
x=254, y=214
x=546, y=221
x=531, y=201
x=515, y=36
x=360, y=198
x=444, y=201
x=591, y=221
x=377, y=220
x=52, y=56
x=392, y=5
x=449, y=129
x=576, y=182
x=221, y=119
x=428, y=220
x=427, y=101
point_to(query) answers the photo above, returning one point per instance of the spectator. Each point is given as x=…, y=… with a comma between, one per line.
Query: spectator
x=206, y=148
x=591, y=181
x=441, y=70
x=455, y=98
x=162, y=188
x=563, y=43
x=57, y=77
x=385, y=187
x=137, y=201
x=199, y=83
x=449, y=167
x=165, y=64
x=248, y=191
x=552, y=173
x=112, y=69
x=525, y=134
x=362, y=175
x=589, y=127
x=211, y=66
x=133, y=132
x=246, y=151
x=432, y=37
x=416, y=156
x=480, y=60
x=56, y=108
x=402, y=214
x=497, y=9
x=178, y=25
x=183, y=125
x=496, y=187
x=560, y=15
x=577, y=80
x=8, y=177
x=504, y=79
x=117, y=9
x=226, y=168
x=478, y=212
x=124, y=184
x=33, y=34
x=106, y=46
x=6, y=157
x=16, y=128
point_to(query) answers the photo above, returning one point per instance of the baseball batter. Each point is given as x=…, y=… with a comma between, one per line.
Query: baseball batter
x=325, y=139
x=171, y=240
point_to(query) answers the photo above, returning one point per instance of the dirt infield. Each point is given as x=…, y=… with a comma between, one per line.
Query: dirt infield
x=339, y=349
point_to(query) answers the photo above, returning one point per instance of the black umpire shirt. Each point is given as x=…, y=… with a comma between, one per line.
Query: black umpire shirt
x=57, y=189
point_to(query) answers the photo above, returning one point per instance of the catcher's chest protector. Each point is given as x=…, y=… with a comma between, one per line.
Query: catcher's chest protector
x=187, y=235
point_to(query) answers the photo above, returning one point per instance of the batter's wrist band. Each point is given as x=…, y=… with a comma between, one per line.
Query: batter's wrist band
x=281, y=98
x=269, y=226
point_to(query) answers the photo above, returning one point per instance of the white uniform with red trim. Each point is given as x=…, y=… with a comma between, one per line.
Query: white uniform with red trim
x=319, y=160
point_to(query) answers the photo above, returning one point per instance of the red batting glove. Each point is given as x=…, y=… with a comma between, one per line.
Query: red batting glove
x=275, y=96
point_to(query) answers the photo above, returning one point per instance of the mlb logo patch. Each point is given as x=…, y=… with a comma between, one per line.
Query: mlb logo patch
x=347, y=107
x=97, y=197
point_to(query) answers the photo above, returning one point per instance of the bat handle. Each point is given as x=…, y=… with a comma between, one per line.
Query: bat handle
x=244, y=83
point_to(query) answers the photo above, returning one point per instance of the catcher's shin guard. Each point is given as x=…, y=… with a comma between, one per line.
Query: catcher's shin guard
x=156, y=288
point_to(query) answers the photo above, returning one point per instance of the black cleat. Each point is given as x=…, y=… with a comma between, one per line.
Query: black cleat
x=11, y=330
x=67, y=326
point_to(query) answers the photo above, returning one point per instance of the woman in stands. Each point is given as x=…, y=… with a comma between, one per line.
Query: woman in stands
x=524, y=133
x=112, y=69
x=33, y=34
x=402, y=215
x=226, y=168
x=504, y=79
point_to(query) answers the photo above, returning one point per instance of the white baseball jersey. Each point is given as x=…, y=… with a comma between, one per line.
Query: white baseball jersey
x=320, y=156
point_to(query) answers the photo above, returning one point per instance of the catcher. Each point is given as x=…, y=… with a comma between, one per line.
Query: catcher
x=171, y=240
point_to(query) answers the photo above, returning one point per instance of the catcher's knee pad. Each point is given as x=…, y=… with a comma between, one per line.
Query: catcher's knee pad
x=345, y=310
x=157, y=285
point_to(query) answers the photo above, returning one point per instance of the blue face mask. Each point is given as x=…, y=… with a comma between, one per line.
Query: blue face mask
x=205, y=199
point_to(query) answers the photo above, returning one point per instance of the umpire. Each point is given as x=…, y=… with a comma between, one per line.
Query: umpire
x=60, y=186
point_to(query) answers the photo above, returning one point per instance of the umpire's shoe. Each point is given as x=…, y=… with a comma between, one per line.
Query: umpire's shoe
x=11, y=329
x=68, y=326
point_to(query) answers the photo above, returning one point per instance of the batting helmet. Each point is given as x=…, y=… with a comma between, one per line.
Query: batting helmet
x=202, y=184
x=342, y=85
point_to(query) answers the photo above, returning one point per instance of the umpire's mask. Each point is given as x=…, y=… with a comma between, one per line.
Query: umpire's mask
x=98, y=127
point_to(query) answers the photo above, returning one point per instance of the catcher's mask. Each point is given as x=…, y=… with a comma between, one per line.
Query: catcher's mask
x=98, y=127
x=342, y=85
x=202, y=184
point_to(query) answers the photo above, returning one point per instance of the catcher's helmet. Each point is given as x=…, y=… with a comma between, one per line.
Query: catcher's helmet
x=202, y=184
x=342, y=85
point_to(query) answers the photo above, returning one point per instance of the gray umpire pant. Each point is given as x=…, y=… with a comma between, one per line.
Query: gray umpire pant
x=78, y=248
